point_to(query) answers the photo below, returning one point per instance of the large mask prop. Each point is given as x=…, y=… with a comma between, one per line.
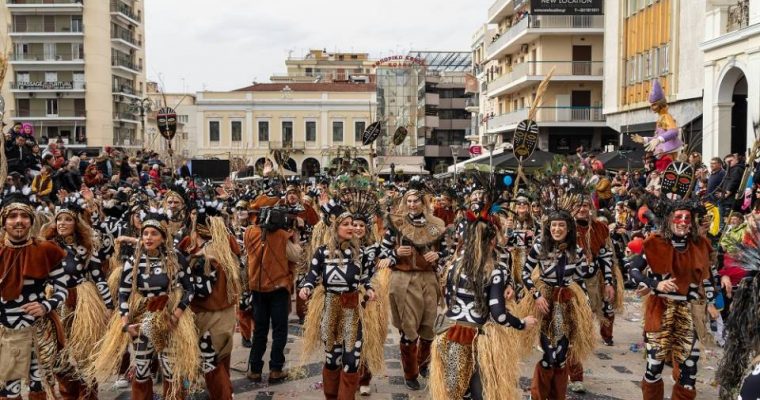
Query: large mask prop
x=677, y=180
x=525, y=139
x=167, y=122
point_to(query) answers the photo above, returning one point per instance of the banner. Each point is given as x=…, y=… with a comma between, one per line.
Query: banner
x=566, y=7
x=471, y=84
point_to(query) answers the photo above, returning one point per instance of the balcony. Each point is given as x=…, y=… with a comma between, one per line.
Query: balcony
x=26, y=115
x=46, y=7
x=125, y=12
x=472, y=104
x=531, y=27
x=529, y=73
x=506, y=122
x=57, y=86
x=125, y=90
x=126, y=65
x=570, y=116
x=40, y=29
x=125, y=37
x=127, y=117
x=458, y=103
x=40, y=58
x=501, y=8
x=432, y=99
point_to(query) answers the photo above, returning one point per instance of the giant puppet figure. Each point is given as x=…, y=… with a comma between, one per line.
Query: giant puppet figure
x=665, y=143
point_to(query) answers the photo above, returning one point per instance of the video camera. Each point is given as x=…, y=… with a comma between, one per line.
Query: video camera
x=274, y=218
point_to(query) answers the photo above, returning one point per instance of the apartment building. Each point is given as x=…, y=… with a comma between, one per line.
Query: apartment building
x=318, y=123
x=731, y=69
x=323, y=66
x=647, y=40
x=520, y=51
x=76, y=69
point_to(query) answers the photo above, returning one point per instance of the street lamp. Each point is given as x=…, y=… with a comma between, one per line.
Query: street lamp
x=143, y=106
x=455, y=154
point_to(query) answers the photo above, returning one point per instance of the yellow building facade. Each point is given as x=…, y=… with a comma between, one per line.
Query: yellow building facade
x=317, y=122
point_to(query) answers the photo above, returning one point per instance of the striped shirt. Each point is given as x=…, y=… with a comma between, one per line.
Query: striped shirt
x=556, y=270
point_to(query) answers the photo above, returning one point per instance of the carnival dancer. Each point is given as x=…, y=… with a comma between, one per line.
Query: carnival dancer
x=335, y=311
x=213, y=256
x=521, y=231
x=89, y=304
x=567, y=329
x=241, y=221
x=30, y=332
x=444, y=209
x=469, y=357
x=413, y=242
x=306, y=218
x=678, y=259
x=666, y=142
x=154, y=297
x=593, y=240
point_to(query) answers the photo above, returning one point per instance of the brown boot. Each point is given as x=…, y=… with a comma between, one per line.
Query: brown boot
x=330, y=383
x=605, y=329
x=142, y=390
x=681, y=393
x=349, y=384
x=410, y=365
x=423, y=356
x=652, y=391
x=180, y=394
x=218, y=383
x=575, y=369
x=559, y=384
x=69, y=387
x=37, y=396
x=541, y=384
x=366, y=375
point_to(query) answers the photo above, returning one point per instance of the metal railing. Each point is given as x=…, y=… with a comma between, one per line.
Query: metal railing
x=126, y=36
x=570, y=114
x=124, y=89
x=43, y=57
x=126, y=116
x=118, y=62
x=45, y=2
x=36, y=27
x=504, y=120
x=28, y=114
x=41, y=85
x=119, y=7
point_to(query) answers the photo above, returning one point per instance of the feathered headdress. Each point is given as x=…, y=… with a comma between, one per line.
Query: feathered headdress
x=156, y=218
x=73, y=205
x=361, y=203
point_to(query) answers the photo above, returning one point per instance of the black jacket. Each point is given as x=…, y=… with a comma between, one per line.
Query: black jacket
x=733, y=179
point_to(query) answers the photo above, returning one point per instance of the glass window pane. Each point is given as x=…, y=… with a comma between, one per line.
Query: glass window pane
x=311, y=131
x=237, y=131
x=337, y=131
x=263, y=131
x=213, y=131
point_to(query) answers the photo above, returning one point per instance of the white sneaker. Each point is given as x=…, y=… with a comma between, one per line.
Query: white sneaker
x=121, y=383
x=577, y=387
x=364, y=390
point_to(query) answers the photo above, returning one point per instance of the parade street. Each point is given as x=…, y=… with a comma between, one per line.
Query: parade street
x=612, y=373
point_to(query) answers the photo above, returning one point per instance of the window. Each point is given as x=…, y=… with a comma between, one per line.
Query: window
x=311, y=131
x=183, y=119
x=337, y=129
x=22, y=77
x=664, y=59
x=22, y=107
x=236, y=127
x=51, y=77
x=213, y=131
x=263, y=131
x=359, y=127
x=77, y=51
x=52, y=107
x=287, y=132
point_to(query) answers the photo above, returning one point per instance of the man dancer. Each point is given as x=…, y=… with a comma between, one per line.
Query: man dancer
x=26, y=267
x=413, y=242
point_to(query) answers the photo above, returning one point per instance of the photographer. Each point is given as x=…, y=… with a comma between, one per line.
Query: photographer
x=270, y=281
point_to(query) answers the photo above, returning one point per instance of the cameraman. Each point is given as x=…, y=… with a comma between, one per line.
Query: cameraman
x=270, y=280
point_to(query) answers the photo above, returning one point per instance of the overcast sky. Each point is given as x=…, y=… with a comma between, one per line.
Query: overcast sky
x=194, y=45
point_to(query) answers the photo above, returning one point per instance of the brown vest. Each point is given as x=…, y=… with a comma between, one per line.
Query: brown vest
x=218, y=299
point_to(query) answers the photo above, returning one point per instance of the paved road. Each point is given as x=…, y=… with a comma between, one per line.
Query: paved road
x=612, y=373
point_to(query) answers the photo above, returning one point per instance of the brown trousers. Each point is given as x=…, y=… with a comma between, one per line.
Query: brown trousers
x=245, y=321
x=414, y=303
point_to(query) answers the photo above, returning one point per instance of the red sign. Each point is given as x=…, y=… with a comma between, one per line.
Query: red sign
x=476, y=150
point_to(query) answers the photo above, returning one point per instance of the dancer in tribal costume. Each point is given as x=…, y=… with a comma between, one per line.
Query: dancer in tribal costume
x=593, y=239
x=306, y=218
x=413, y=242
x=336, y=310
x=678, y=260
x=89, y=304
x=213, y=256
x=244, y=313
x=30, y=331
x=154, y=296
x=470, y=355
x=567, y=331
x=522, y=230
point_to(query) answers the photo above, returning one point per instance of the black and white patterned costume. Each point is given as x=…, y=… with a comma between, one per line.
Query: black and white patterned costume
x=341, y=273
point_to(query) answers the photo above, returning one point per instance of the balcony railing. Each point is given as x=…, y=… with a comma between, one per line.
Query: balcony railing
x=28, y=114
x=541, y=68
x=57, y=85
x=501, y=122
x=539, y=22
x=570, y=114
x=126, y=116
x=45, y=2
x=125, y=36
x=119, y=7
x=118, y=62
x=124, y=89
x=46, y=28
x=43, y=57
